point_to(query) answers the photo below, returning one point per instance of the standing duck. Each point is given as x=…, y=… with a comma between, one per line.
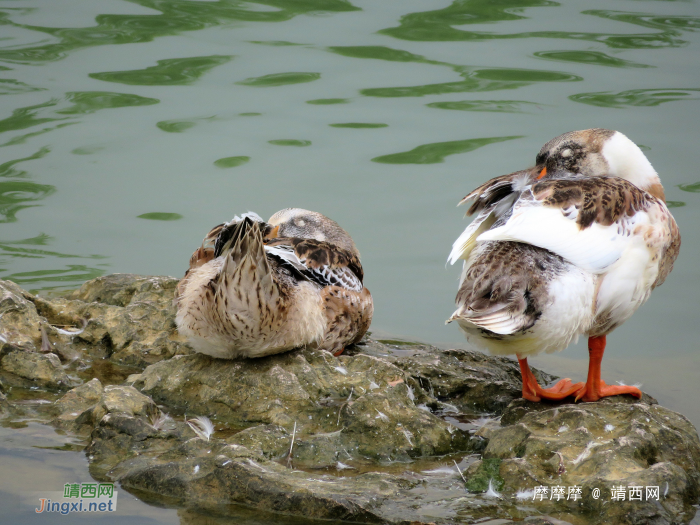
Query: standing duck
x=258, y=288
x=570, y=247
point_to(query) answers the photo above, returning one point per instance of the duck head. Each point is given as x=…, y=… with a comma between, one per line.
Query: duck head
x=599, y=152
x=305, y=224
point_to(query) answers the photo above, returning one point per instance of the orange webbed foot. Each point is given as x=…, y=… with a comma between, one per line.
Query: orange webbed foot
x=532, y=391
x=594, y=393
x=595, y=387
x=563, y=388
x=336, y=354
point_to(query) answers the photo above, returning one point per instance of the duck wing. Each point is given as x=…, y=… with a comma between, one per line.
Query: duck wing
x=318, y=261
x=492, y=200
x=590, y=222
x=503, y=289
x=497, y=189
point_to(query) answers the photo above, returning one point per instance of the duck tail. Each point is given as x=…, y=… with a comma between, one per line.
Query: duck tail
x=241, y=244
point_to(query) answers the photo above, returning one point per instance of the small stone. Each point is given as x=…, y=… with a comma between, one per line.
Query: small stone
x=76, y=401
x=43, y=369
x=126, y=400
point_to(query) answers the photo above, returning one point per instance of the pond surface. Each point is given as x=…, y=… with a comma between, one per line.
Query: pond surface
x=129, y=128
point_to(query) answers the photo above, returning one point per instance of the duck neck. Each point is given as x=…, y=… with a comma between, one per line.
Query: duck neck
x=627, y=161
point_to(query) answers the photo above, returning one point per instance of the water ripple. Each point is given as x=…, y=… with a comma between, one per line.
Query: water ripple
x=359, y=125
x=15, y=196
x=437, y=151
x=496, y=106
x=587, y=57
x=693, y=187
x=635, y=97
x=176, y=16
x=160, y=216
x=437, y=25
x=231, y=162
x=290, y=142
x=280, y=79
x=168, y=72
x=476, y=80
x=7, y=169
x=665, y=23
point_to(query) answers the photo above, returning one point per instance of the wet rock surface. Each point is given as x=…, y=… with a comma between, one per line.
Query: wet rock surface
x=389, y=432
x=127, y=319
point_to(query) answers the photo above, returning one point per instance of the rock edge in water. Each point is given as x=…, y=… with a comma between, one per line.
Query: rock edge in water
x=372, y=436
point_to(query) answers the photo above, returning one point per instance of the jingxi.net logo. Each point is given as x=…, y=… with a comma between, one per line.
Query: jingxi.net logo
x=80, y=497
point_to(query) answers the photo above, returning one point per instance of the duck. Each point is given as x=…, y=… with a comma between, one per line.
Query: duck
x=256, y=288
x=570, y=247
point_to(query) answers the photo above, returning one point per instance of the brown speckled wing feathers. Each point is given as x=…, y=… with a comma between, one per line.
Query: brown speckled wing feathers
x=329, y=264
x=505, y=288
x=604, y=200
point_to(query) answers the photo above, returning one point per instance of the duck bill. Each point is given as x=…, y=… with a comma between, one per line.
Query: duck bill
x=272, y=233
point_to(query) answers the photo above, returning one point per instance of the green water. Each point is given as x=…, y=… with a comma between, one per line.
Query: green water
x=129, y=128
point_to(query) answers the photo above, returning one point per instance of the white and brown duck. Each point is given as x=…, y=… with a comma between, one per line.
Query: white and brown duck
x=570, y=247
x=258, y=288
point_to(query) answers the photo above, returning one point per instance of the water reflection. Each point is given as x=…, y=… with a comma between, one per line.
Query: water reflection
x=685, y=23
x=290, y=142
x=70, y=274
x=693, y=188
x=359, y=125
x=597, y=58
x=231, y=162
x=636, y=97
x=178, y=126
x=327, y=101
x=475, y=79
x=169, y=72
x=496, y=106
x=10, y=86
x=7, y=169
x=28, y=249
x=53, y=110
x=438, y=25
x=15, y=195
x=436, y=152
x=176, y=16
x=280, y=79
x=160, y=216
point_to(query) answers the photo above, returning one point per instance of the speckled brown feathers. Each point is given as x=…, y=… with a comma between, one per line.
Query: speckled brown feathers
x=497, y=189
x=506, y=279
x=319, y=254
x=200, y=256
x=576, y=152
x=248, y=293
x=349, y=314
x=604, y=200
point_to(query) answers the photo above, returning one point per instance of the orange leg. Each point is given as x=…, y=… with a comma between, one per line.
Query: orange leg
x=336, y=354
x=595, y=387
x=532, y=391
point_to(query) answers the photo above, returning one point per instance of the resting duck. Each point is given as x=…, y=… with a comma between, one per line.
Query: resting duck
x=570, y=247
x=257, y=288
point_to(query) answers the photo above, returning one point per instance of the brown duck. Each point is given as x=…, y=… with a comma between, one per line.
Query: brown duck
x=257, y=288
